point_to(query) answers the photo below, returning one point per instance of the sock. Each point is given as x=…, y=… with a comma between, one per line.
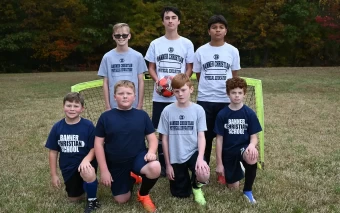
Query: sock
x=91, y=189
x=196, y=184
x=249, y=176
x=147, y=185
x=161, y=154
x=133, y=181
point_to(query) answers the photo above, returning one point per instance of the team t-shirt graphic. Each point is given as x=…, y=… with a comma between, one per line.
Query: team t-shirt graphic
x=70, y=143
x=122, y=69
x=181, y=126
x=169, y=62
x=216, y=70
x=236, y=126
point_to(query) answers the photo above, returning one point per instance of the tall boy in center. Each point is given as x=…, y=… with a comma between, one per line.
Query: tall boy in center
x=167, y=56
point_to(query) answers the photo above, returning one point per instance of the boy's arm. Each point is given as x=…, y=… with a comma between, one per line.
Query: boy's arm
x=153, y=145
x=100, y=156
x=201, y=165
x=53, y=156
x=234, y=73
x=165, y=145
x=188, y=71
x=152, y=71
x=106, y=93
x=86, y=162
x=219, y=164
x=140, y=90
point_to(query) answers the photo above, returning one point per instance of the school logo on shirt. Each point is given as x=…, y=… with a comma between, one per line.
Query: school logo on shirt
x=216, y=70
x=121, y=60
x=70, y=143
x=181, y=127
x=169, y=62
x=236, y=126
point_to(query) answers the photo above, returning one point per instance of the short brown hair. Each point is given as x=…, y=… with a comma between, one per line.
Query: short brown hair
x=180, y=80
x=124, y=83
x=74, y=97
x=236, y=82
x=120, y=25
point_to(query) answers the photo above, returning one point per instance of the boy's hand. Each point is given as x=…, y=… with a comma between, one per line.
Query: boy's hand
x=252, y=152
x=55, y=181
x=85, y=166
x=202, y=167
x=150, y=157
x=106, y=178
x=170, y=172
x=220, y=169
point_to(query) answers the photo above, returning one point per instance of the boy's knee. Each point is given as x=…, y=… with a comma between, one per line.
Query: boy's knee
x=89, y=175
x=152, y=170
x=203, y=178
x=122, y=198
x=233, y=186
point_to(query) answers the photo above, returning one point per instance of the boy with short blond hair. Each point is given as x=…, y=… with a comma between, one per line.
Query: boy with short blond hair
x=124, y=130
x=236, y=127
x=122, y=63
x=73, y=138
x=183, y=124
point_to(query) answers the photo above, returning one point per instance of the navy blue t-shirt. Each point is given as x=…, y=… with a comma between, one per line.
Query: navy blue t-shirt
x=124, y=132
x=74, y=142
x=236, y=127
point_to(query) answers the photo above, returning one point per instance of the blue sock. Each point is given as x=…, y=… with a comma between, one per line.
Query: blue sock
x=91, y=189
x=249, y=195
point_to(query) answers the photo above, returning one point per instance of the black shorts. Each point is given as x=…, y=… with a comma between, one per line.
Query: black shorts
x=182, y=185
x=74, y=185
x=232, y=168
x=157, y=109
x=211, y=110
x=120, y=173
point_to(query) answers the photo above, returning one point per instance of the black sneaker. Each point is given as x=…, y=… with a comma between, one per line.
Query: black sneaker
x=92, y=205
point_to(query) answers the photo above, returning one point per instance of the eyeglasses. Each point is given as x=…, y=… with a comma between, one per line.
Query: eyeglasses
x=118, y=36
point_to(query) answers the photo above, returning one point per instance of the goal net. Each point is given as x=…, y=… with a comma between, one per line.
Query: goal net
x=92, y=92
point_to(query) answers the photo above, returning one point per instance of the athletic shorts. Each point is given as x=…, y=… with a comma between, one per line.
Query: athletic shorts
x=74, y=185
x=120, y=173
x=157, y=109
x=232, y=169
x=181, y=187
x=211, y=110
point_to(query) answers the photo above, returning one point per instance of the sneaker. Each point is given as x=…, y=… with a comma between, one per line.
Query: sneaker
x=199, y=196
x=92, y=205
x=136, y=177
x=146, y=202
x=221, y=180
x=249, y=196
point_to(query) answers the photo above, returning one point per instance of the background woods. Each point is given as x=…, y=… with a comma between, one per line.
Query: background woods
x=74, y=34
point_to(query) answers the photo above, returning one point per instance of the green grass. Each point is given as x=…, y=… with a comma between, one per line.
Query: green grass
x=302, y=157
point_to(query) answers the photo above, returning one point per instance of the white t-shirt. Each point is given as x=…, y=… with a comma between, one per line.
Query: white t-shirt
x=215, y=65
x=122, y=66
x=182, y=126
x=171, y=58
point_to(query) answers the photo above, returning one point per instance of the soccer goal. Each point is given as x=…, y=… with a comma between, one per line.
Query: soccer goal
x=92, y=91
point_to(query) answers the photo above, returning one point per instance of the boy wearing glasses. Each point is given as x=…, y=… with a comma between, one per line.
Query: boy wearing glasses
x=122, y=63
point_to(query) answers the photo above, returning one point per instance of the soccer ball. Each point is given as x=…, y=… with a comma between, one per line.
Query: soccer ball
x=163, y=87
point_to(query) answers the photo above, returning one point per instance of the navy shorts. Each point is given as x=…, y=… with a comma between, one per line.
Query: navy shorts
x=182, y=185
x=232, y=169
x=120, y=173
x=157, y=109
x=211, y=110
x=74, y=185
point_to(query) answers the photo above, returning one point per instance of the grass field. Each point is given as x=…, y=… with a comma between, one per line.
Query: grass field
x=302, y=149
